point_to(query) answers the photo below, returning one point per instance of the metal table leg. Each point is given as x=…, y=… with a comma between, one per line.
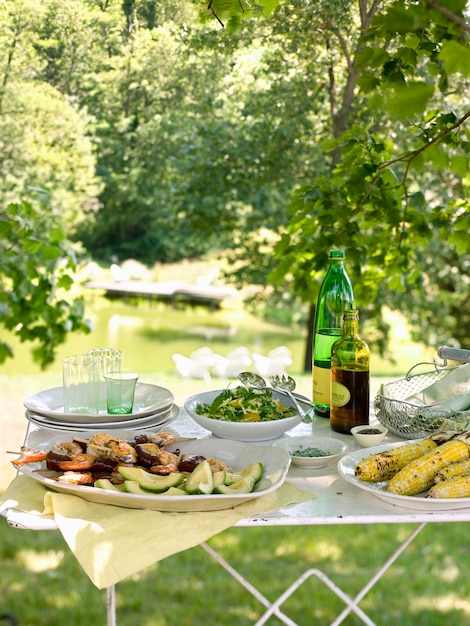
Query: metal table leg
x=273, y=608
x=111, y=606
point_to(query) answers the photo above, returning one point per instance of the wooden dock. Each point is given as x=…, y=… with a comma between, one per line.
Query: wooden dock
x=176, y=293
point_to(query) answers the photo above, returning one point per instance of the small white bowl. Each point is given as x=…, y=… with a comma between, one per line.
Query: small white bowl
x=368, y=436
x=334, y=447
x=240, y=431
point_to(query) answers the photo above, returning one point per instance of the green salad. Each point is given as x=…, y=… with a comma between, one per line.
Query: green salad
x=245, y=405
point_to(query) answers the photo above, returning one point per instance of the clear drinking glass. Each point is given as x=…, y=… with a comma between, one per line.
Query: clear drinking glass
x=110, y=360
x=81, y=384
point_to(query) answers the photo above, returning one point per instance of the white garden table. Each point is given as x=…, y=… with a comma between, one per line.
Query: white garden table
x=336, y=502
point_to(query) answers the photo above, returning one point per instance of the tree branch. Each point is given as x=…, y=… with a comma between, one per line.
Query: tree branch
x=432, y=4
x=408, y=158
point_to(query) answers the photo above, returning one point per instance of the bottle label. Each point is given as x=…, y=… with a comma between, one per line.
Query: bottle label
x=340, y=395
x=321, y=385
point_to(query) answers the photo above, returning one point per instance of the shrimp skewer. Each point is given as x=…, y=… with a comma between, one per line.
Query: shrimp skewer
x=30, y=456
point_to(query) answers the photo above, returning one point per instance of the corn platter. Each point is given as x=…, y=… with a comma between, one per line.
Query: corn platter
x=416, y=467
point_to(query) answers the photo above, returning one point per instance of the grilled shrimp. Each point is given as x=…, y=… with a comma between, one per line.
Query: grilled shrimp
x=30, y=456
x=166, y=458
x=164, y=469
x=76, y=478
x=162, y=439
x=67, y=448
x=217, y=466
x=115, y=449
x=78, y=462
x=168, y=463
x=123, y=452
x=101, y=439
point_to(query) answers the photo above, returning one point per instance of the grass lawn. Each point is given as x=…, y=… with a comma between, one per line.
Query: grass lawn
x=42, y=584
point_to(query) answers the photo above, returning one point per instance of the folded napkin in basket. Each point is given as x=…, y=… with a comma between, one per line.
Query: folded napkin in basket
x=112, y=543
x=449, y=393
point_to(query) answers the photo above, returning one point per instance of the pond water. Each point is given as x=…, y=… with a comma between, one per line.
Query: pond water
x=150, y=333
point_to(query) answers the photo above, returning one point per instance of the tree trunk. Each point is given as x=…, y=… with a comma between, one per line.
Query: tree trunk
x=309, y=345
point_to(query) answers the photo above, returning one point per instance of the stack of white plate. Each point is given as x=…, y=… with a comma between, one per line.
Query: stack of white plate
x=153, y=406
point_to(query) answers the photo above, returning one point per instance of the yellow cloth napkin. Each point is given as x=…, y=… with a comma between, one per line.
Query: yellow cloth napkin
x=112, y=543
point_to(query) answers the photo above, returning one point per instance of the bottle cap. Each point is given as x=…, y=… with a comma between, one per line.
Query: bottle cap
x=336, y=254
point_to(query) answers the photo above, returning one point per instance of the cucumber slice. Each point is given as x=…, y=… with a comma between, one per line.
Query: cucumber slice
x=201, y=480
x=244, y=485
x=151, y=482
x=105, y=483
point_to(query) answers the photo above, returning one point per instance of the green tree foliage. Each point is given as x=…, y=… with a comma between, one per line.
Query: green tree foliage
x=37, y=275
x=321, y=124
x=396, y=194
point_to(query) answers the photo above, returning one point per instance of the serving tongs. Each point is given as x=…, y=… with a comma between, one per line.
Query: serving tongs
x=283, y=384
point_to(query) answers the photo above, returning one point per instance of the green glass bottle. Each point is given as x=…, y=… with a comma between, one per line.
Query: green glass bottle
x=350, y=363
x=336, y=295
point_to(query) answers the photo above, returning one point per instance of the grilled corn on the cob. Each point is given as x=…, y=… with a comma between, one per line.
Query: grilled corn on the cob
x=456, y=487
x=462, y=468
x=384, y=465
x=419, y=475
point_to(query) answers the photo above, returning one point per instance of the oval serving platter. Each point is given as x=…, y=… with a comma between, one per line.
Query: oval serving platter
x=236, y=454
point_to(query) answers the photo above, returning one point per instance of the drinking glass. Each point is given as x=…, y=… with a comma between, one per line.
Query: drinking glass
x=81, y=384
x=110, y=360
x=120, y=392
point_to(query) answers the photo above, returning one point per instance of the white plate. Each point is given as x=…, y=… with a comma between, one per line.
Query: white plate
x=149, y=400
x=346, y=467
x=247, y=431
x=275, y=463
x=334, y=447
x=147, y=421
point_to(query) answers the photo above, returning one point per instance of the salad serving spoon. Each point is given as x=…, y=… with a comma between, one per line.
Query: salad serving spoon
x=250, y=379
x=255, y=381
x=287, y=384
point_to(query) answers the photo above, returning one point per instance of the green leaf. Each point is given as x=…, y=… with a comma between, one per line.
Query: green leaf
x=6, y=351
x=410, y=99
x=459, y=164
x=456, y=57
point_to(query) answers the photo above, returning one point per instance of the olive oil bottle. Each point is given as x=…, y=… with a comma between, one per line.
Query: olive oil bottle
x=350, y=364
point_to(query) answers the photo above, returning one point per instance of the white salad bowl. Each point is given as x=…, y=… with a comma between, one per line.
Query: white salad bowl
x=241, y=431
x=297, y=447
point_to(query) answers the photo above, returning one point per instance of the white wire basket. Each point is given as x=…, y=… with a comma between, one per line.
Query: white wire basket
x=408, y=420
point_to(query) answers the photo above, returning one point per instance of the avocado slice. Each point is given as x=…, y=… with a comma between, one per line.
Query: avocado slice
x=253, y=469
x=201, y=480
x=244, y=485
x=151, y=482
x=219, y=478
x=105, y=483
x=175, y=491
x=132, y=486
